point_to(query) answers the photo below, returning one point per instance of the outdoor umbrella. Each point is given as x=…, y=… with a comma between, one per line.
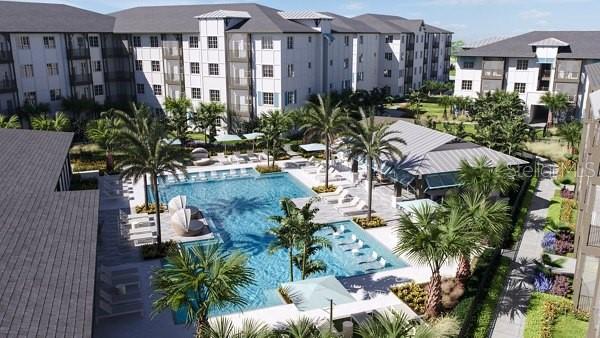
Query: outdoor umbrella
x=227, y=138
x=253, y=137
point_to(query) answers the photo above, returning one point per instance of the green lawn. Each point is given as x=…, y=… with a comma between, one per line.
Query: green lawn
x=554, y=209
x=566, y=326
x=569, y=327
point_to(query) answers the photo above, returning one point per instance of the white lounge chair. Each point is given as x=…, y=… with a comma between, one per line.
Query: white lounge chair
x=237, y=157
x=252, y=156
x=106, y=310
x=361, y=208
x=352, y=204
x=344, y=196
x=382, y=262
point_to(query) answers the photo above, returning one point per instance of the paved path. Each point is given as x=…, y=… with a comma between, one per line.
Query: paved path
x=510, y=312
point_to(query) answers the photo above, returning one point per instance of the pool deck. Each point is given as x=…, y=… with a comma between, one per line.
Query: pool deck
x=370, y=290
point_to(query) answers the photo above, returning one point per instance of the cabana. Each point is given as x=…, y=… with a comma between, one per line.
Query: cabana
x=227, y=138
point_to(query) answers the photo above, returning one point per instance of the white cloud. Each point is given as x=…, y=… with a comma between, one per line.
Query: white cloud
x=355, y=5
x=531, y=14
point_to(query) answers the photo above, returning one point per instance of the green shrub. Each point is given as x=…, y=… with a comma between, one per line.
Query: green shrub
x=141, y=209
x=543, y=312
x=567, y=207
x=87, y=165
x=153, y=251
x=488, y=306
x=319, y=189
x=413, y=294
x=524, y=209
x=264, y=169
x=375, y=222
x=80, y=184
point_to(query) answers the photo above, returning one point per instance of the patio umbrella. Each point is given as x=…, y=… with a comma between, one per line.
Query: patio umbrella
x=253, y=137
x=316, y=293
x=311, y=147
x=227, y=138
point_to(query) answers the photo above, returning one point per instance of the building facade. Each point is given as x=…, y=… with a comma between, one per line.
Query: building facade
x=530, y=64
x=249, y=57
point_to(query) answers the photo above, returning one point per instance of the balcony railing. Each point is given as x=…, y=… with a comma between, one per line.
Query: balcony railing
x=448, y=44
x=118, y=76
x=5, y=56
x=563, y=76
x=116, y=52
x=492, y=74
x=237, y=55
x=173, y=78
x=80, y=79
x=8, y=85
x=78, y=53
x=594, y=237
x=410, y=46
x=545, y=73
x=171, y=52
x=240, y=108
x=239, y=82
x=436, y=44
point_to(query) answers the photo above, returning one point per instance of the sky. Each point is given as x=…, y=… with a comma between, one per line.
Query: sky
x=470, y=20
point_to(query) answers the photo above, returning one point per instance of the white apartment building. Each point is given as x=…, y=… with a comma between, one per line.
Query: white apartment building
x=530, y=64
x=250, y=57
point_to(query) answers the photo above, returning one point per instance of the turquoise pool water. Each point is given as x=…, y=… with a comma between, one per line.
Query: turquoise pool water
x=238, y=208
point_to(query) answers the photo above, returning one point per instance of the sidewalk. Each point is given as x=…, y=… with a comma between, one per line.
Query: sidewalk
x=510, y=313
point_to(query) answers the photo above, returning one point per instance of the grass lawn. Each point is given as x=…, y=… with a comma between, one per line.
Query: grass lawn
x=565, y=326
x=554, y=150
x=554, y=209
x=568, y=326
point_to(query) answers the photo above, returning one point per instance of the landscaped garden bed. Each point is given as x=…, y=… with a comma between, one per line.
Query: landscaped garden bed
x=554, y=316
x=151, y=209
x=415, y=295
x=153, y=251
x=365, y=223
x=264, y=169
x=320, y=189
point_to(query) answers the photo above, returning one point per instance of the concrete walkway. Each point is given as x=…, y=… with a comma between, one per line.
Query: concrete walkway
x=510, y=312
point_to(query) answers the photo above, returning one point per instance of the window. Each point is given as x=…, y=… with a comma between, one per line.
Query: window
x=49, y=42
x=388, y=56
x=360, y=76
x=137, y=41
x=309, y=90
x=267, y=42
x=389, y=38
x=195, y=67
x=346, y=84
x=268, y=99
x=55, y=94
x=290, y=97
x=387, y=73
x=94, y=41
x=213, y=69
x=520, y=87
x=290, y=70
x=157, y=89
x=193, y=42
x=361, y=39
x=98, y=90
x=522, y=64
x=213, y=42
x=401, y=73
x=27, y=70
x=346, y=40
x=466, y=85
x=30, y=98
x=139, y=65
x=468, y=65
x=52, y=69
x=267, y=70
x=156, y=66
x=346, y=63
x=360, y=58
x=310, y=39
x=140, y=88
x=154, y=41
x=331, y=62
x=215, y=95
x=290, y=42
x=97, y=66
x=24, y=44
x=196, y=93
x=309, y=65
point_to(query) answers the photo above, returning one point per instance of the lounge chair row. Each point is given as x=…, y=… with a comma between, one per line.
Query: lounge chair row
x=347, y=204
x=118, y=293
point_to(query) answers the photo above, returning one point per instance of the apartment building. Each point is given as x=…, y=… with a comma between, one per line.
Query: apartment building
x=250, y=57
x=530, y=64
x=587, y=238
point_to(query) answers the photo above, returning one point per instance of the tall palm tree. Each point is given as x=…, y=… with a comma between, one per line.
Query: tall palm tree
x=372, y=142
x=200, y=279
x=556, y=103
x=178, y=110
x=224, y=328
x=274, y=125
x=415, y=99
x=148, y=153
x=206, y=118
x=105, y=132
x=11, y=122
x=431, y=237
x=482, y=177
x=393, y=324
x=285, y=233
x=60, y=122
x=571, y=132
x=326, y=121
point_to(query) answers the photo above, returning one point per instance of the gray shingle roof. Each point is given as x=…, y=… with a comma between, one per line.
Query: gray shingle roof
x=419, y=140
x=48, y=242
x=29, y=17
x=593, y=73
x=582, y=45
x=395, y=24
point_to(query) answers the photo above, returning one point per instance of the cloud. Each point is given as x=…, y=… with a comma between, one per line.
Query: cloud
x=355, y=5
x=532, y=14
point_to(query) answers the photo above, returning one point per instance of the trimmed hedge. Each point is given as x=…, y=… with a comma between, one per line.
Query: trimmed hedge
x=523, y=210
x=543, y=313
x=488, y=306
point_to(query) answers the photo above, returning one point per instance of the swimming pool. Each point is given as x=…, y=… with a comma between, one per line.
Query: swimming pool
x=238, y=208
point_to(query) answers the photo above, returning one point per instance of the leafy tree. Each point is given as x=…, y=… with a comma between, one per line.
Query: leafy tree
x=556, y=103
x=200, y=279
x=446, y=101
x=105, y=132
x=207, y=117
x=372, y=142
x=178, y=119
x=274, y=125
x=571, y=132
x=325, y=121
x=415, y=99
x=285, y=234
x=11, y=122
x=60, y=122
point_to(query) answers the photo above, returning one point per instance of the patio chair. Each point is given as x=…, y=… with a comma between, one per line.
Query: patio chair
x=106, y=310
x=360, y=209
x=355, y=201
x=343, y=197
x=237, y=157
x=252, y=156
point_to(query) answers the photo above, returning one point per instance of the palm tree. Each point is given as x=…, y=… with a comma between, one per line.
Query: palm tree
x=273, y=125
x=571, y=132
x=106, y=132
x=482, y=177
x=11, y=122
x=432, y=237
x=371, y=142
x=200, y=279
x=147, y=153
x=325, y=121
x=206, y=118
x=60, y=122
x=556, y=103
x=178, y=109
x=29, y=110
x=393, y=324
x=285, y=234
x=446, y=101
x=222, y=327
x=416, y=98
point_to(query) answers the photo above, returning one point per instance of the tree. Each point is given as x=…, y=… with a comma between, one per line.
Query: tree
x=148, y=153
x=571, y=132
x=286, y=232
x=446, y=101
x=415, y=99
x=178, y=110
x=556, y=103
x=482, y=177
x=273, y=125
x=393, y=324
x=223, y=328
x=11, y=122
x=206, y=118
x=105, y=132
x=325, y=121
x=29, y=110
x=60, y=122
x=372, y=142
x=200, y=279
x=430, y=236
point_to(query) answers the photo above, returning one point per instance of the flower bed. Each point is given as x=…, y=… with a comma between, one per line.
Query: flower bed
x=264, y=169
x=320, y=189
x=415, y=295
x=141, y=209
x=375, y=222
x=560, y=242
x=546, y=312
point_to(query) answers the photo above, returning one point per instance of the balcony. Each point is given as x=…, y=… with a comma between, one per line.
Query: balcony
x=78, y=53
x=237, y=55
x=5, y=56
x=448, y=44
x=118, y=76
x=594, y=237
x=239, y=82
x=562, y=76
x=409, y=63
x=410, y=46
x=171, y=52
x=116, y=52
x=80, y=79
x=492, y=74
x=173, y=78
x=545, y=74
x=436, y=44
x=240, y=108
x=8, y=85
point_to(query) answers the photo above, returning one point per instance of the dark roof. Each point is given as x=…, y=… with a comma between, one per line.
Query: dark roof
x=30, y=17
x=48, y=242
x=593, y=73
x=396, y=24
x=582, y=45
x=181, y=19
x=342, y=24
